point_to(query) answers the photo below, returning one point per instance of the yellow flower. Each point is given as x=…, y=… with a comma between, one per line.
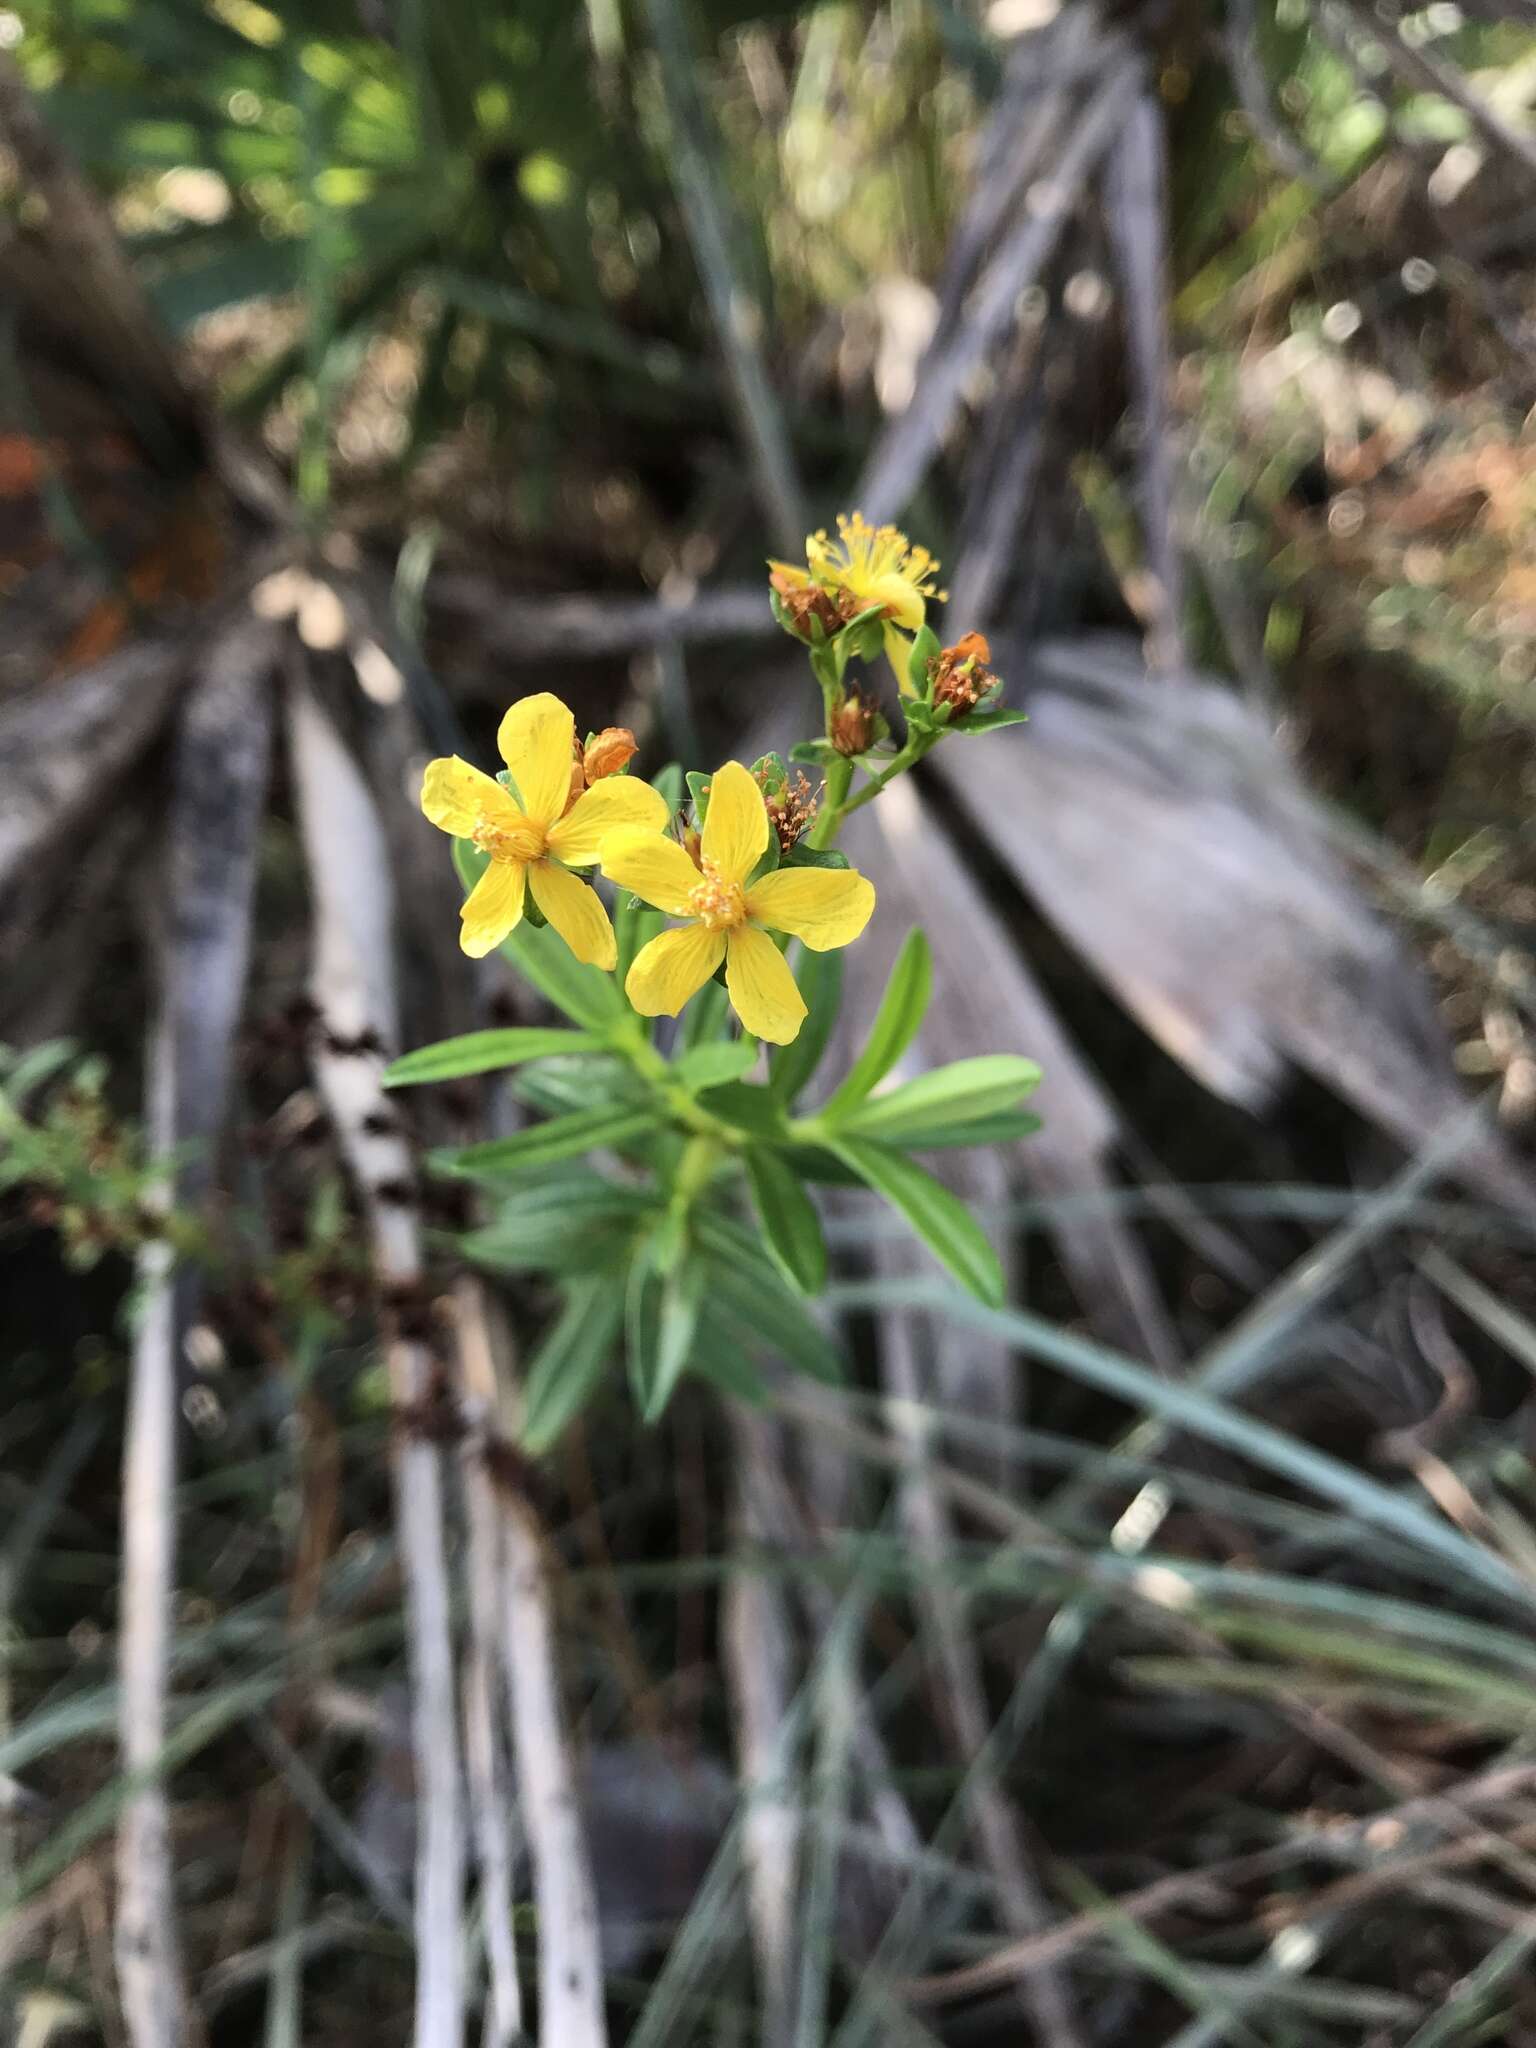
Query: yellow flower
x=869, y=565
x=531, y=845
x=730, y=918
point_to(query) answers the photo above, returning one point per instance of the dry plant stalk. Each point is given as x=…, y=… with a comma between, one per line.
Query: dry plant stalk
x=570, y=1956
x=757, y=1652
x=490, y=1790
x=351, y=985
x=219, y=776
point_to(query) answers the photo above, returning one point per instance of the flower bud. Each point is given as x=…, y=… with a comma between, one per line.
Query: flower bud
x=609, y=753
x=852, y=724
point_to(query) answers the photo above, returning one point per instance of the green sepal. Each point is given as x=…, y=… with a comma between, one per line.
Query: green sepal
x=925, y=647
x=772, y=855
x=698, y=789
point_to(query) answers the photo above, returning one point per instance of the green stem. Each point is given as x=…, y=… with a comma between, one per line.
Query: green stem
x=910, y=755
x=631, y=1043
x=834, y=802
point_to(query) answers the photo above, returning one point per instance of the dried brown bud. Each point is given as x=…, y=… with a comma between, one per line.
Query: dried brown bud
x=578, y=779
x=791, y=809
x=851, y=727
x=693, y=845
x=804, y=601
x=609, y=753
x=959, y=675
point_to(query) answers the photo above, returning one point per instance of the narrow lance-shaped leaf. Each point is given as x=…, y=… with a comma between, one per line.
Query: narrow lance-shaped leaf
x=791, y=1226
x=901, y=1012
x=749, y=1292
x=682, y=1298
x=939, y=1218
x=820, y=978
x=568, y=1365
x=484, y=1052
x=960, y=1093
x=562, y=1137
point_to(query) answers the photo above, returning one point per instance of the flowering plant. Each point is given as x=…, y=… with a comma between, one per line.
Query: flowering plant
x=665, y=1185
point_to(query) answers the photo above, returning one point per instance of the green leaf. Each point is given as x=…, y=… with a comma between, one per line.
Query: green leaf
x=747, y=1104
x=704, y=1018
x=711, y=1066
x=584, y=1081
x=814, y=753
x=482, y=1052
x=682, y=1299
x=896, y=1024
x=1005, y=1129
x=747, y=1291
x=562, y=1221
x=940, y=1219
x=803, y=855
x=635, y=924
x=586, y=995
x=38, y=1064
x=960, y=1093
x=820, y=979
x=669, y=784
x=566, y=1368
x=987, y=721
x=815, y=1163
x=788, y=1216
x=718, y=1355
x=562, y=1137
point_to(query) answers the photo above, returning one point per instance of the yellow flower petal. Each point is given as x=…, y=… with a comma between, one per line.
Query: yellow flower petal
x=456, y=796
x=536, y=741
x=651, y=867
x=897, y=650
x=493, y=908
x=736, y=824
x=792, y=574
x=576, y=911
x=825, y=907
x=618, y=800
x=761, y=987
x=672, y=968
x=902, y=599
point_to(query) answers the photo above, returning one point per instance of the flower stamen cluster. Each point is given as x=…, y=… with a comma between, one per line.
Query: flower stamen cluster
x=791, y=808
x=959, y=676
x=717, y=902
